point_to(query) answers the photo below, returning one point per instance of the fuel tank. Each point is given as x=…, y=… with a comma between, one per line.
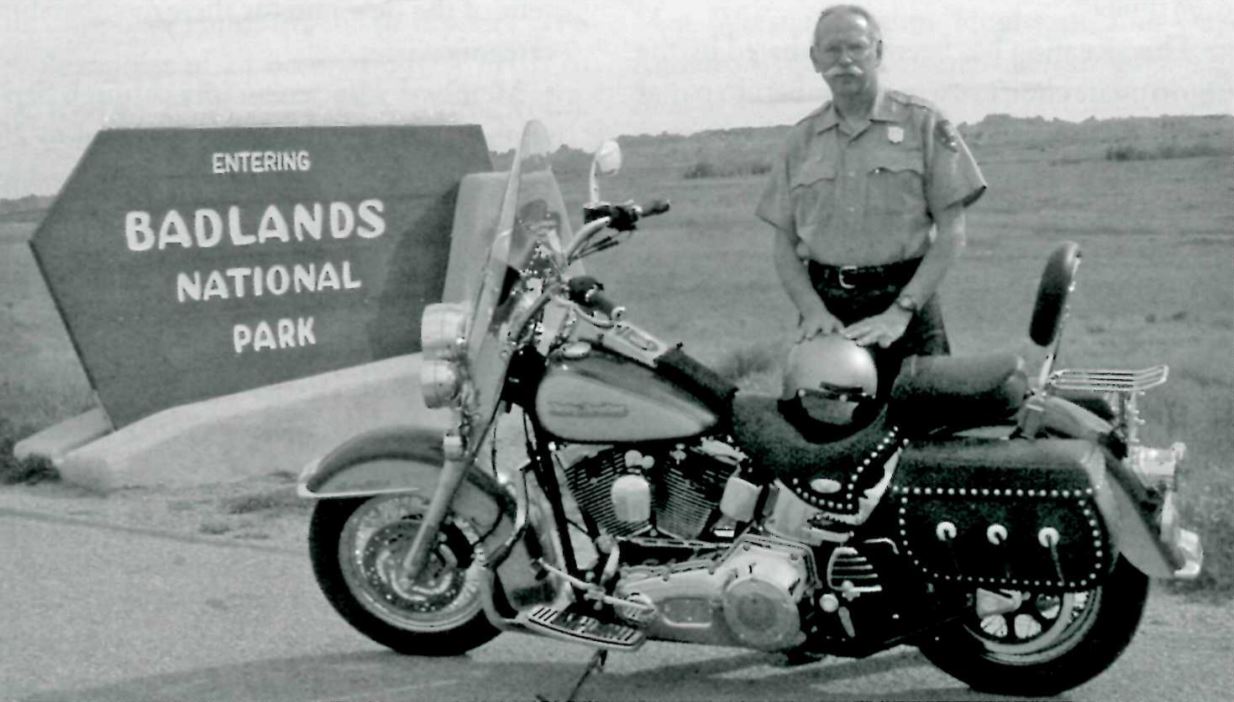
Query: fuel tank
x=596, y=396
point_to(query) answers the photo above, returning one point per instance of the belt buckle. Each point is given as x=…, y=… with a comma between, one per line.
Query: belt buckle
x=840, y=277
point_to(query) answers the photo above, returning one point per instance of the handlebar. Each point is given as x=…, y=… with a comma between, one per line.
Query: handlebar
x=584, y=291
x=623, y=217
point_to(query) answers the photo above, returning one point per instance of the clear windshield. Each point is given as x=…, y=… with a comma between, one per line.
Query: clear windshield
x=533, y=223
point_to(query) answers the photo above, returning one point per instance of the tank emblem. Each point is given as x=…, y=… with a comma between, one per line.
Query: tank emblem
x=588, y=410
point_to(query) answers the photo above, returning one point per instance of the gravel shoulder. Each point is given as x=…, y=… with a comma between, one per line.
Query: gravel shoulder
x=263, y=509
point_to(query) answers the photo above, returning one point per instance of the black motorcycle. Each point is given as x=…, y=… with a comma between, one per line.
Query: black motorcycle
x=1003, y=518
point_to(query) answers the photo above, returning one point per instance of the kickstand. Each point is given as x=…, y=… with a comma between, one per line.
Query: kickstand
x=595, y=664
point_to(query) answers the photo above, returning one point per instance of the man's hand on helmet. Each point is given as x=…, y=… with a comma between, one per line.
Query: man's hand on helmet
x=818, y=321
x=881, y=329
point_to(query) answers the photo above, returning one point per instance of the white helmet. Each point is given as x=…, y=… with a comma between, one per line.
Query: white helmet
x=828, y=380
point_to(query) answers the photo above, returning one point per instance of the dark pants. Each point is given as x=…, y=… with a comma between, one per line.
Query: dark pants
x=872, y=291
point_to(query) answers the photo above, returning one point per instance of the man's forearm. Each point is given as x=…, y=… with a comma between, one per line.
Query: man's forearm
x=793, y=275
x=943, y=251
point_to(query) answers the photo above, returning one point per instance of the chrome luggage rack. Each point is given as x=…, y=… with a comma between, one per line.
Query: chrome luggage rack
x=1121, y=381
x=1126, y=384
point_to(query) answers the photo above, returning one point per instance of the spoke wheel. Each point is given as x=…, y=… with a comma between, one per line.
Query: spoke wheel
x=1038, y=627
x=358, y=548
x=376, y=538
x=1050, y=643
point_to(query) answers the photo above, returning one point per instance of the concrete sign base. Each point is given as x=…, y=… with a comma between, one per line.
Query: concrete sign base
x=57, y=440
x=274, y=428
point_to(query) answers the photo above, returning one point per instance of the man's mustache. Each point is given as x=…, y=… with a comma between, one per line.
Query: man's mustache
x=843, y=71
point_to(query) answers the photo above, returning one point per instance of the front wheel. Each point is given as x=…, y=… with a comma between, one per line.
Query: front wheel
x=357, y=548
x=1049, y=643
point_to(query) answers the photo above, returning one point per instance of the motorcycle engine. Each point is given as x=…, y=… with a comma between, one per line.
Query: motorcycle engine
x=672, y=492
x=756, y=594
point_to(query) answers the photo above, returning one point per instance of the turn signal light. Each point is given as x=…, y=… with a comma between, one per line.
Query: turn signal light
x=439, y=382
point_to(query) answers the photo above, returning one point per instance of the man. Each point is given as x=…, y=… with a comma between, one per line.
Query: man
x=867, y=200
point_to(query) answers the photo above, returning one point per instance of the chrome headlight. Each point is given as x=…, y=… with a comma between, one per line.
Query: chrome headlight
x=443, y=327
x=439, y=381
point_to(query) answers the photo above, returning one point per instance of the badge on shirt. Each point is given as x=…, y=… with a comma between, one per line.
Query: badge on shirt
x=895, y=135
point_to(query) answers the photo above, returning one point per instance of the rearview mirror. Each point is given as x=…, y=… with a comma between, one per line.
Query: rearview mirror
x=606, y=161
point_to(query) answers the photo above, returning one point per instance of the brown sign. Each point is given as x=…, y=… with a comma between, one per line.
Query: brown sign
x=192, y=263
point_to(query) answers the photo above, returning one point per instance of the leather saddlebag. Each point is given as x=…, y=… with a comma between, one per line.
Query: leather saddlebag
x=1015, y=514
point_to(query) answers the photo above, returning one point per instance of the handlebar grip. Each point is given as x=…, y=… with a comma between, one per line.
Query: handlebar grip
x=600, y=302
x=655, y=207
x=624, y=217
x=586, y=291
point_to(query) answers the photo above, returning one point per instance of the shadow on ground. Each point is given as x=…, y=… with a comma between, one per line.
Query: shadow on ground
x=387, y=677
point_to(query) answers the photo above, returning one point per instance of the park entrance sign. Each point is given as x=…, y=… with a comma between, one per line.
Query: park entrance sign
x=193, y=263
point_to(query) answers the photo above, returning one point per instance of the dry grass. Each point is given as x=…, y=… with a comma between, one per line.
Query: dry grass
x=13, y=471
x=277, y=501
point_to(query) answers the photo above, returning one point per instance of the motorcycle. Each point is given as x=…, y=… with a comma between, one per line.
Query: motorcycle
x=1004, y=519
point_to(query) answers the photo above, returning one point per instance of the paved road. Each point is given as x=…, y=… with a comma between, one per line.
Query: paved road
x=94, y=613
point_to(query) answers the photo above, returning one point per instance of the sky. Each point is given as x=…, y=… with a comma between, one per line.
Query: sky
x=588, y=69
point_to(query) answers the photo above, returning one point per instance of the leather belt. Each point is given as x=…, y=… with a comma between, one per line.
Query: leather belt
x=854, y=277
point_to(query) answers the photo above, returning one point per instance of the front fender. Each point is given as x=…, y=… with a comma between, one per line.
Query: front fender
x=391, y=459
x=409, y=459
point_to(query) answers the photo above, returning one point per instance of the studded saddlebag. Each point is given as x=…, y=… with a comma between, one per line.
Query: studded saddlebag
x=1018, y=514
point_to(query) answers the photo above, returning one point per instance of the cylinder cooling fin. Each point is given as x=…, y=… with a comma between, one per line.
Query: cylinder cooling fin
x=685, y=489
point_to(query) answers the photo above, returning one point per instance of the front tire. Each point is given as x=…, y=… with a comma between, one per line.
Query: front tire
x=357, y=546
x=1049, y=644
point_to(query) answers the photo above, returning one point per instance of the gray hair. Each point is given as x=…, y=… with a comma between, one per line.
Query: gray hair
x=876, y=32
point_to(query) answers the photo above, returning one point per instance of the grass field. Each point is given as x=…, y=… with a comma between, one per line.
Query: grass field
x=1156, y=286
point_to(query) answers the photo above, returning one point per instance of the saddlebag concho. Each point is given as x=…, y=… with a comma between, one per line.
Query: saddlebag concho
x=1018, y=514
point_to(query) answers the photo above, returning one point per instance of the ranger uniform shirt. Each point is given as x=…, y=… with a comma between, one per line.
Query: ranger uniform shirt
x=869, y=198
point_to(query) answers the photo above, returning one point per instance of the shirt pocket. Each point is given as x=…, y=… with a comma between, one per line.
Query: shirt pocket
x=895, y=183
x=812, y=191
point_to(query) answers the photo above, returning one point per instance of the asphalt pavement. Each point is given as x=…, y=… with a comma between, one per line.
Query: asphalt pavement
x=91, y=612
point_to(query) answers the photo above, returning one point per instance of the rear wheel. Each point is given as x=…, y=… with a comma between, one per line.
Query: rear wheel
x=1049, y=643
x=357, y=548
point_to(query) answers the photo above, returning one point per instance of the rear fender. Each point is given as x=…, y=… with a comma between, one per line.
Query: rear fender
x=409, y=460
x=1062, y=417
x=1145, y=531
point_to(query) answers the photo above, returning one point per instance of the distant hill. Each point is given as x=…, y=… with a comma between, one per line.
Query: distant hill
x=994, y=138
x=997, y=137
x=30, y=208
x=1060, y=141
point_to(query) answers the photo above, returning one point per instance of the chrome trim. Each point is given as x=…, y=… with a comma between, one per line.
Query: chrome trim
x=853, y=559
x=486, y=578
x=840, y=277
x=1188, y=544
x=1105, y=380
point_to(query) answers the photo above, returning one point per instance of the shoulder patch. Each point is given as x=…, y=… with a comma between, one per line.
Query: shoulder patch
x=947, y=135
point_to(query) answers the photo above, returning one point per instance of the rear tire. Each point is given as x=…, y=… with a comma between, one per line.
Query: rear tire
x=356, y=547
x=1050, y=644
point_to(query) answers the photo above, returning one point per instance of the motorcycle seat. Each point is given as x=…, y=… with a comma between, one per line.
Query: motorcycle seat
x=934, y=393
x=850, y=461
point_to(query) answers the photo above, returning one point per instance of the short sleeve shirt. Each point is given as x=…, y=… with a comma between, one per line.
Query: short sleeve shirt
x=869, y=198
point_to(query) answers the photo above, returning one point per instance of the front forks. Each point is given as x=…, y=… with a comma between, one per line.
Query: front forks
x=452, y=474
